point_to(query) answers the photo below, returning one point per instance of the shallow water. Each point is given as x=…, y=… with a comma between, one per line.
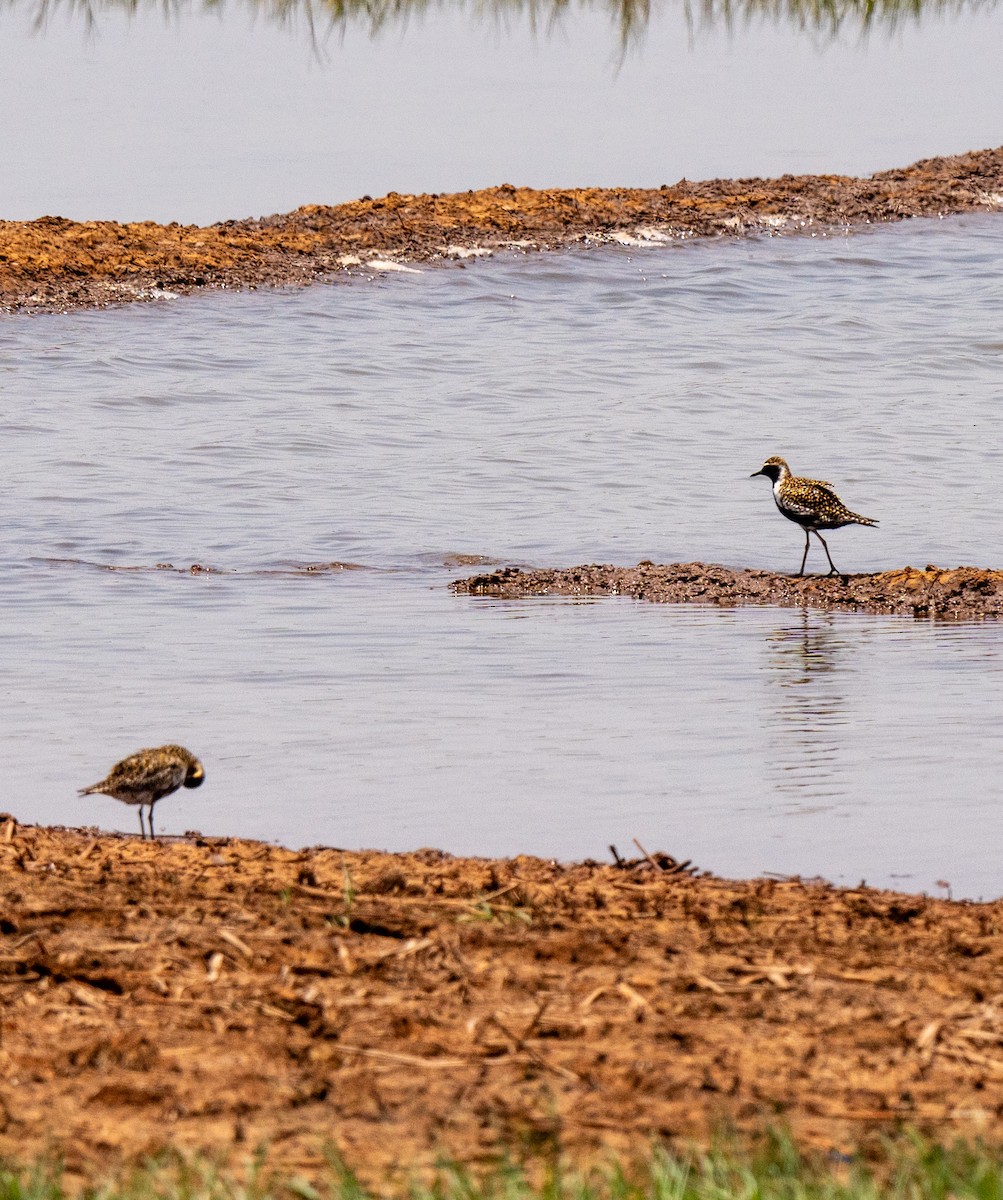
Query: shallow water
x=544, y=410
x=203, y=116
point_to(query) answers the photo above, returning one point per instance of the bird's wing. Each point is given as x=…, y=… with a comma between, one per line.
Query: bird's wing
x=808, y=496
x=165, y=777
x=129, y=771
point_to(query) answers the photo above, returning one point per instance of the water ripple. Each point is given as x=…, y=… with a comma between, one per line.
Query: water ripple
x=426, y=424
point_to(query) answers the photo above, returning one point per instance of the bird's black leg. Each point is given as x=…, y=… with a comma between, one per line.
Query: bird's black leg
x=832, y=565
x=151, y=819
x=142, y=827
x=805, y=557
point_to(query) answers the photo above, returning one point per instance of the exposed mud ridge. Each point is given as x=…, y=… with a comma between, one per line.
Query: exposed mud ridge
x=219, y=994
x=288, y=569
x=53, y=264
x=952, y=592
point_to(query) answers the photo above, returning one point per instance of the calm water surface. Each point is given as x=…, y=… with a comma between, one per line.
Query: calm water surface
x=221, y=113
x=542, y=410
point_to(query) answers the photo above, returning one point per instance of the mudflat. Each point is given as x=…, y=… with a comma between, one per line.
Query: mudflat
x=218, y=994
x=53, y=264
x=958, y=593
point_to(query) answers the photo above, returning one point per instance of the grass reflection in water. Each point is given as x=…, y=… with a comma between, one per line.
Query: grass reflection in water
x=630, y=18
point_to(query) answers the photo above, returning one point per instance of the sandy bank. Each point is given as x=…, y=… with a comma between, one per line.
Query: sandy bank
x=53, y=264
x=222, y=993
x=960, y=593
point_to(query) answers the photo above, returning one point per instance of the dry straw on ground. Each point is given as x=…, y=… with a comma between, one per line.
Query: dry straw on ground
x=222, y=993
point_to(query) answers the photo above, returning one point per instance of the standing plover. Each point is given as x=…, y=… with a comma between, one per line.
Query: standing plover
x=810, y=503
x=148, y=776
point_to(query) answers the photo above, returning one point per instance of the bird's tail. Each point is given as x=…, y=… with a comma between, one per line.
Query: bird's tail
x=862, y=520
x=88, y=791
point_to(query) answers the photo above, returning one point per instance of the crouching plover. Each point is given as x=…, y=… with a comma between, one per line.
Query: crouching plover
x=148, y=776
x=810, y=503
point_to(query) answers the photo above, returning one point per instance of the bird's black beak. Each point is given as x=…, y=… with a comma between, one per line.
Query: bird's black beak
x=755, y=473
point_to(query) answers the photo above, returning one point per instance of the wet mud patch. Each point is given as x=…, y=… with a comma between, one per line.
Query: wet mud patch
x=221, y=994
x=960, y=593
x=53, y=264
x=292, y=568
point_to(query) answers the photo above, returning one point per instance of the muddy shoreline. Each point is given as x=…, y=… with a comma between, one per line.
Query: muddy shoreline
x=54, y=265
x=218, y=994
x=952, y=593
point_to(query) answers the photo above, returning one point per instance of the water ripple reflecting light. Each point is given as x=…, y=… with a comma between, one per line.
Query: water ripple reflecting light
x=410, y=426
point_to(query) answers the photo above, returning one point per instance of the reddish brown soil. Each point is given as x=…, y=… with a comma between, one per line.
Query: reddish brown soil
x=953, y=592
x=54, y=264
x=218, y=993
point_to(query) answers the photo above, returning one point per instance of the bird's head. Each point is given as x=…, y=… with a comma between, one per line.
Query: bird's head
x=774, y=468
x=195, y=774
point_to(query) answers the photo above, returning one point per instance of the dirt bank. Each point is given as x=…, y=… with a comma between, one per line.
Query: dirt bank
x=54, y=264
x=217, y=994
x=952, y=592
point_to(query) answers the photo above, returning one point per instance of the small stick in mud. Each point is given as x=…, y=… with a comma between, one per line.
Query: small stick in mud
x=654, y=862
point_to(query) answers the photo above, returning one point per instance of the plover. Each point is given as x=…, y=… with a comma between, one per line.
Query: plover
x=148, y=776
x=810, y=503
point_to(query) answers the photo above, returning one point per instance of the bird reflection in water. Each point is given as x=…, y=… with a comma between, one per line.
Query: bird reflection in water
x=807, y=716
